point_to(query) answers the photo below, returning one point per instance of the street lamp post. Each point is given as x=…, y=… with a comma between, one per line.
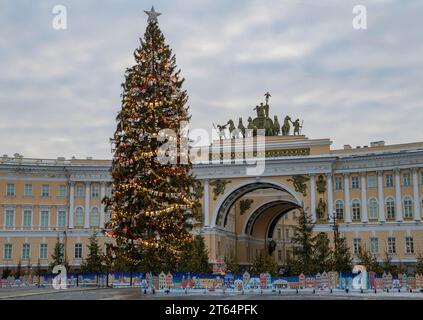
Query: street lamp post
x=335, y=230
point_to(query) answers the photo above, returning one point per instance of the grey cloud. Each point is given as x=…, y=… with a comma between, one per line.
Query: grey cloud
x=60, y=90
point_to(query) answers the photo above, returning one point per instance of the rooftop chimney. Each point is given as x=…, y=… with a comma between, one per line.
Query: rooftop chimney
x=347, y=147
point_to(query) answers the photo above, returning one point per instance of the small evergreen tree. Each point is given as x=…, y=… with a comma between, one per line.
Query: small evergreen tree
x=6, y=273
x=342, y=260
x=303, y=241
x=18, y=273
x=369, y=261
x=264, y=263
x=194, y=257
x=232, y=264
x=93, y=262
x=388, y=266
x=419, y=264
x=58, y=256
x=38, y=270
x=322, y=254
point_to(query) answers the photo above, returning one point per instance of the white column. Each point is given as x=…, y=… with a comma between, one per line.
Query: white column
x=313, y=198
x=416, y=197
x=330, y=197
x=347, y=199
x=87, y=205
x=71, y=203
x=398, y=198
x=102, y=195
x=364, y=217
x=380, y=196
x=206, y=203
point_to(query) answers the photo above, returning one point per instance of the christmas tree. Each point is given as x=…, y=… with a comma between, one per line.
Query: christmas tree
x=93, y=262
x=342, y=260
x=195, y=257
x=153, y=205
x=303, y=241
x=58, y=256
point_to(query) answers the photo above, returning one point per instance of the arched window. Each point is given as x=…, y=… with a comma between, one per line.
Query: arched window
x=95, y=217
x=339, y=209
x=79, y=217
x=373, y=208
x=390, y=208
x=356, y=214
x=408, y=207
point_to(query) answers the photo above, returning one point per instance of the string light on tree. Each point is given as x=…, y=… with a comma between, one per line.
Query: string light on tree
x=154, y=205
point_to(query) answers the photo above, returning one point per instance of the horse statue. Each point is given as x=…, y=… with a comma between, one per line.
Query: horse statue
x=233, y=132
x=221, y=131
x=251, y=126
x=276, y=126
x=241, y=127
x=286, y=126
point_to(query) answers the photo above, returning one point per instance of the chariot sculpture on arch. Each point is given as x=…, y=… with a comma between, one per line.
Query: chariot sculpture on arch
x=262, y=121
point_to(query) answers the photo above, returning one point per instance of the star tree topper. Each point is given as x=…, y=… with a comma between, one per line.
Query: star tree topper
x=152, y=15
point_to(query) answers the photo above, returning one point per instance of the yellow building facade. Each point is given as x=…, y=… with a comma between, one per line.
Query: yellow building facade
x=374, y=192
x=44, y=201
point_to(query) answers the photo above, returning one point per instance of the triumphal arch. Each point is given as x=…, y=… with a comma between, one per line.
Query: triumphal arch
x=252, y=177
x=255, y=177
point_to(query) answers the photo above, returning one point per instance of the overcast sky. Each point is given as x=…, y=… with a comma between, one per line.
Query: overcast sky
x=60, y=89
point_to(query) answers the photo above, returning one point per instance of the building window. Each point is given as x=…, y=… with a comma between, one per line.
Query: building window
x=356, y=214
x=95, y=191
x=10, y=190
x=28, y=190
x=389, y=180
x=339, y=209
x=26, y=251
x=78, y=251
x=357, y=245
x=287, y=234
x=338, y=183
x=279, y=255
x=45, y=190
x=408, y=207
x=79, y=191
x=374, y=245
x=8, y=251
x=373, y=208
x=354, y=182
x=406, y=179
x=390, y=208
x=27, y=218
x=61, y=218
x=79, y=217
x=409, y=245
x=95, y=217
x=44, y=219
x=371, y=181
x=279, y=233
x=392, y=249
x=43, y=251
x=62, y=190
x=10, y=218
